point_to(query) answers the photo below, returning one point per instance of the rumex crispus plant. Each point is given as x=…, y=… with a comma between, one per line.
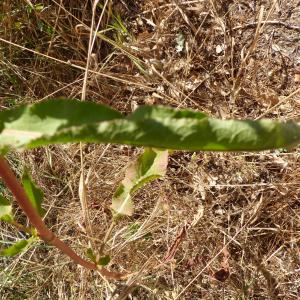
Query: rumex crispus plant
x=64, y=121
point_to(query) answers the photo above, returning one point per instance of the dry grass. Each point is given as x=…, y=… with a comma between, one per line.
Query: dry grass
x=231, y=59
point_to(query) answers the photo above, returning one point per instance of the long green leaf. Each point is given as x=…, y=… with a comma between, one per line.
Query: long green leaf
x=5, y=210
x=63, y=121
x=150, y=165
x=17, y=248
x=34, y=193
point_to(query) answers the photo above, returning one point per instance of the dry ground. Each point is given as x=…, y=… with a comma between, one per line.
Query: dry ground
x=230, y=59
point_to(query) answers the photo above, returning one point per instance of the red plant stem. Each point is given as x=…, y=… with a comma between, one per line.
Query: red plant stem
x=45, y=234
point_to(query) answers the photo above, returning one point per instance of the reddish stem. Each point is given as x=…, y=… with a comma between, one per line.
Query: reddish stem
x=45, y=234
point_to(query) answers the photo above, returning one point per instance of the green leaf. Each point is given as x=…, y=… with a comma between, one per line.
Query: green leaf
x=5, y=210
x=34, y=193
x=150, y=165
x=63, y=121
x=90, y=254
x=17, y=248
x=104, y=260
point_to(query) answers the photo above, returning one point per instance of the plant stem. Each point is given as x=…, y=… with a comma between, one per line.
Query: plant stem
x=45, y=234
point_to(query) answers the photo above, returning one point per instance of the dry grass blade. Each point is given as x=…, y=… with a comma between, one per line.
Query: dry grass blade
x=247, y=202
x=212, y=260
x=68, y=63
x=82, y=191
x=245, y=60
x=29, y=3
x=284, y=100
x=82, y=183
x=274, y=23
